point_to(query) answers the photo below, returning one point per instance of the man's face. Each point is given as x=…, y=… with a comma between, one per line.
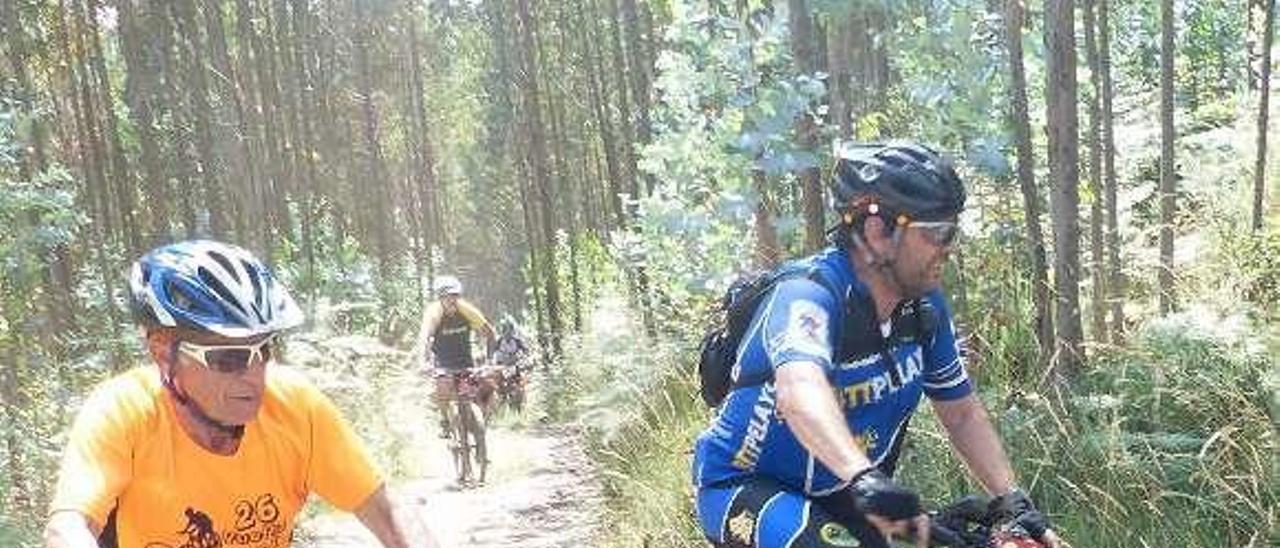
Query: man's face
x=921, y=253
x=227, y=383
x=450, y=303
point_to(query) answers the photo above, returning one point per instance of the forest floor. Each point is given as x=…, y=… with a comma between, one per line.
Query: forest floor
x=542, y=492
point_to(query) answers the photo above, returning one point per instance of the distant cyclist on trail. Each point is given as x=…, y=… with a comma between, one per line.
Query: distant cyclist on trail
x=446, y=328
x=213, y=442
x=842, y=356
x=511, y=348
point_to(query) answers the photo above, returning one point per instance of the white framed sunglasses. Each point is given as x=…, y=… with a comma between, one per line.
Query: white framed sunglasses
x=940, y=233
x=228, y=358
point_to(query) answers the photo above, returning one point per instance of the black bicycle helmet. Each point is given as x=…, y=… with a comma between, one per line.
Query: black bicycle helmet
x=893, y=178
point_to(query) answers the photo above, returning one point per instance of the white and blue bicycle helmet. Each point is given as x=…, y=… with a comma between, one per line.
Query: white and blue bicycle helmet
x=210, y=286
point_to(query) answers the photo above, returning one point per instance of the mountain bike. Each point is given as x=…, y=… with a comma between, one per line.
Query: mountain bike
x=512, y=382
x=466, y=431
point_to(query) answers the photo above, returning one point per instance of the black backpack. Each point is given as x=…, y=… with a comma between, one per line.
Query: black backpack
x=719, y=349
x=859, y=337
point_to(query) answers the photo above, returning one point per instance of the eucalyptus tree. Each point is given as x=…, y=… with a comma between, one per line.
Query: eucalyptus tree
x=1064, y=173
x=1168, y=178
x=1020, y=124
x=1264, y=101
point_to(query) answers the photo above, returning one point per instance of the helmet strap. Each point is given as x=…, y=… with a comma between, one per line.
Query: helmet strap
x=235, y=431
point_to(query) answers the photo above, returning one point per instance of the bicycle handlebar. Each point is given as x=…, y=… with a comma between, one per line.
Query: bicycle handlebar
x=967, y=523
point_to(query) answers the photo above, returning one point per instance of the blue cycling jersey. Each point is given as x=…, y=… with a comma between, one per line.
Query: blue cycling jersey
x=801, y=320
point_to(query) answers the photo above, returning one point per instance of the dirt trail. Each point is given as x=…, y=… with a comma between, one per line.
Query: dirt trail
x=542, y=492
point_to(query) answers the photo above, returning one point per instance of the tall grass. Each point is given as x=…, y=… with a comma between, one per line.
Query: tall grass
x=637, y=401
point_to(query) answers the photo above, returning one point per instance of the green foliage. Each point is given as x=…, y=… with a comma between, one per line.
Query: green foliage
x=378, y=388
x=637, y=400
x=997, y=315
x=1255, y=268
x=1136, y=44
x=952, y=64
x=1214, y=61
x=1168, y=442
x=1213, y=113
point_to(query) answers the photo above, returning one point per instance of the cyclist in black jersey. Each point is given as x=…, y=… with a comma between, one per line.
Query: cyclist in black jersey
x=447, y=324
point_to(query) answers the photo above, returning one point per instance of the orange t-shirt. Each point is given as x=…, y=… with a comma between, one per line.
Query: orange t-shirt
x=127, y=451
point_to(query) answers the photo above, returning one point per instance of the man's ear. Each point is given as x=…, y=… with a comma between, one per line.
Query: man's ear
x=160, y=346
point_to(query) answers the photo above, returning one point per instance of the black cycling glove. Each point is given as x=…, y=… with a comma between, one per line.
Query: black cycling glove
x=1016, y=510
x=875, y=493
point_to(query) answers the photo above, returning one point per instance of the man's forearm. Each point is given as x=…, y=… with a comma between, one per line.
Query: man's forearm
x=70, y=529
x=394, y=527
x=807, y=403
x=976, y=442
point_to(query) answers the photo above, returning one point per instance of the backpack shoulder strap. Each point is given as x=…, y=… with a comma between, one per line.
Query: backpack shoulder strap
x=811, y=272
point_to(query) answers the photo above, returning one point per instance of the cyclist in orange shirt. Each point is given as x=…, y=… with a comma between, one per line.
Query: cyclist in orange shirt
x=216, y=445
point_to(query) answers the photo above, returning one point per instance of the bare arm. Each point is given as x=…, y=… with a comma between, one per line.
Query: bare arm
x=491, y=338
x=430, y=321
x=808, y=404
x=975, y=440
x=394, y=526
x=71, y=529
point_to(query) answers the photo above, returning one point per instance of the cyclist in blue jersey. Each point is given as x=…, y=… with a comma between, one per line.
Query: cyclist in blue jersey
x=844, y=354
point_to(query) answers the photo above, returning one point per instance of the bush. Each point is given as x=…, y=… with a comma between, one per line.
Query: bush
x=1212, y=115
x=1167, y=442
x=1255, y=259
x=637, y=402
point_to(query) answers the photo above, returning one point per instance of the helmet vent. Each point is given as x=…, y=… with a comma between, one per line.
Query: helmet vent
x=226, y=264
x=260, y=305
x=222, y=291
x=869, y=172
x=178, y=297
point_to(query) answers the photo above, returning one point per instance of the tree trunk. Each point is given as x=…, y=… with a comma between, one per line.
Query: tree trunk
x=207, y=162
x=1264, y=99
x=239, y=149
x=537, y=157
x=639, y=70
x=253, y=197
x=421, y=170
x=120, y=180
x=627, y=144
x=140, y=95
x=1097, y=246
x=1167, y=174
x=569, y=196
x=767, y=250
x=804, y=49
x=31, y=161
x=1064, y=172
x=1115, y=274
x=841, y=92
x=376, y=182
x=1020, y=122
x=598, y=90
x=307, y=146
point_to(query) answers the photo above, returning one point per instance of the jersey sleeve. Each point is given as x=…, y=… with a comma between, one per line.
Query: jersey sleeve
x=340, y=469
x=945, y=377
x=97, y=464
x=474, y=317
x=796, y=323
